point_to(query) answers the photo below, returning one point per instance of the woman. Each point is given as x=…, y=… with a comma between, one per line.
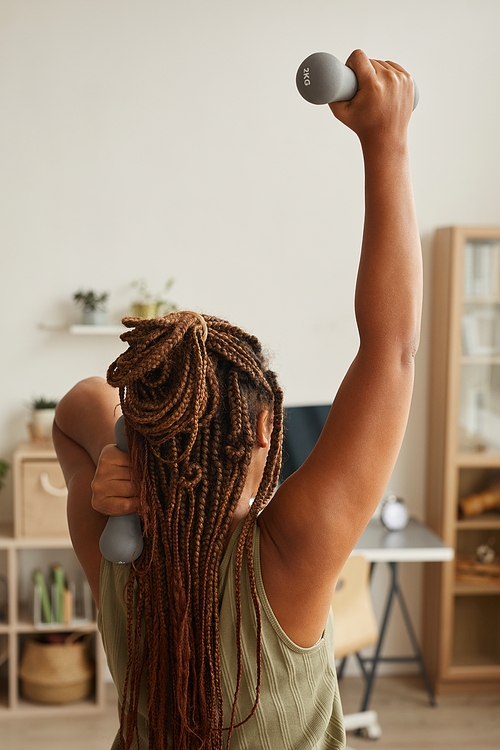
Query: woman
x=220, y=634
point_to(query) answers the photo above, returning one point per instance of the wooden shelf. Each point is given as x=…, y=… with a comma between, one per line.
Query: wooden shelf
x=485, y=521
x=479, y=459
x=474, y=667
x=481, y=300
x=477, y=359
x=461, y=619
x=477, y=589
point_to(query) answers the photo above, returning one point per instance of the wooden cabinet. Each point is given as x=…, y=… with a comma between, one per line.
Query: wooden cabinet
x=461, y=634
x=39, y=539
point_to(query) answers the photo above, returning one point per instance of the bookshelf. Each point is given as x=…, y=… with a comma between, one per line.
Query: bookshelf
x=462, y=600
x=24, y=547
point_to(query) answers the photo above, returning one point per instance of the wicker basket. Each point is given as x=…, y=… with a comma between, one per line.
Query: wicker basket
x=56, y=672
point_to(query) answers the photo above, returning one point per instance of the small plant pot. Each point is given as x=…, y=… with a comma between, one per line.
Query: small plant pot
x=94, y=317
x=41, y=423
x=144, y=310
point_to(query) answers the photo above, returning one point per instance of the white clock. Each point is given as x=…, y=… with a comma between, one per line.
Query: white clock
x=394, y=513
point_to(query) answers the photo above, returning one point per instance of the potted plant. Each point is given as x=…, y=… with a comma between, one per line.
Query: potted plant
x=149, y=305
x=93, y=305
x=42, y=418
x=4, y=467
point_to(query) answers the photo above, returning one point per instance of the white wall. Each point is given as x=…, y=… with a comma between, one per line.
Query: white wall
x=155, y=139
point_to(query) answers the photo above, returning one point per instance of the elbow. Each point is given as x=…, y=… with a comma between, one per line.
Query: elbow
x=393, y=341
x=412, y=343
x=70, y=406
x=393, y=327
x=406, y=347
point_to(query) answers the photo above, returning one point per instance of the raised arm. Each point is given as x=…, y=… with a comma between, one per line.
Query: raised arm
x=84, y=438
x=316, y=517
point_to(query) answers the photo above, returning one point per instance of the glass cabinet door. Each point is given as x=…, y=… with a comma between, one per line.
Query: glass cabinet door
x=480, y=361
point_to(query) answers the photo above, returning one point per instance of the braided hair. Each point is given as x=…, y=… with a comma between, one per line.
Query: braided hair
x=191, y=389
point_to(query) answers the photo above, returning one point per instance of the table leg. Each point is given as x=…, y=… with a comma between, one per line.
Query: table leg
x=376, y=657
x=395, y=591
x=416, y=648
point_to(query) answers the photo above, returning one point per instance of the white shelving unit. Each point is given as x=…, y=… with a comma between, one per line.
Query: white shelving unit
x=19, y=555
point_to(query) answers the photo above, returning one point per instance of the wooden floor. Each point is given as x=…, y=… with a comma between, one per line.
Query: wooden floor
x=408, y=722
x=458, y=722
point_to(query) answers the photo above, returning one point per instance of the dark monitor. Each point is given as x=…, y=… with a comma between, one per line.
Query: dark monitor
x=302, y=428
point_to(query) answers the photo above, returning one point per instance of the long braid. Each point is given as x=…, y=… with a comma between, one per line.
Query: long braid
x=191, y=389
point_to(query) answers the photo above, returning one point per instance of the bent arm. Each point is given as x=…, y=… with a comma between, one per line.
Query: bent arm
x=84, y=425
x=318, y=514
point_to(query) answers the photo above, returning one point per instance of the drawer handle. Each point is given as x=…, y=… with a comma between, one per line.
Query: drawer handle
x=49, y=488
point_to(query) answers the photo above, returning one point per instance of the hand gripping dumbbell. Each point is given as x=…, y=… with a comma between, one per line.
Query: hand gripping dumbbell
x=121, y=541
x=322, y=79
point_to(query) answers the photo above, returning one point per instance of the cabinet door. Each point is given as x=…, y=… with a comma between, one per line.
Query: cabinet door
x=480, y=361
x=43, y=500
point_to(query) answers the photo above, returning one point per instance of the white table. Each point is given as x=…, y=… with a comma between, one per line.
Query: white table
x=416, y=543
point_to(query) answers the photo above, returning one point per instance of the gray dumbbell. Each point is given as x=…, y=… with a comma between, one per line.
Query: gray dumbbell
x=322, y=79
x=121, y=541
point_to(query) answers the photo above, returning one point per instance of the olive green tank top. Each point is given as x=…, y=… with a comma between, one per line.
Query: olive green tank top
x=299, y=706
